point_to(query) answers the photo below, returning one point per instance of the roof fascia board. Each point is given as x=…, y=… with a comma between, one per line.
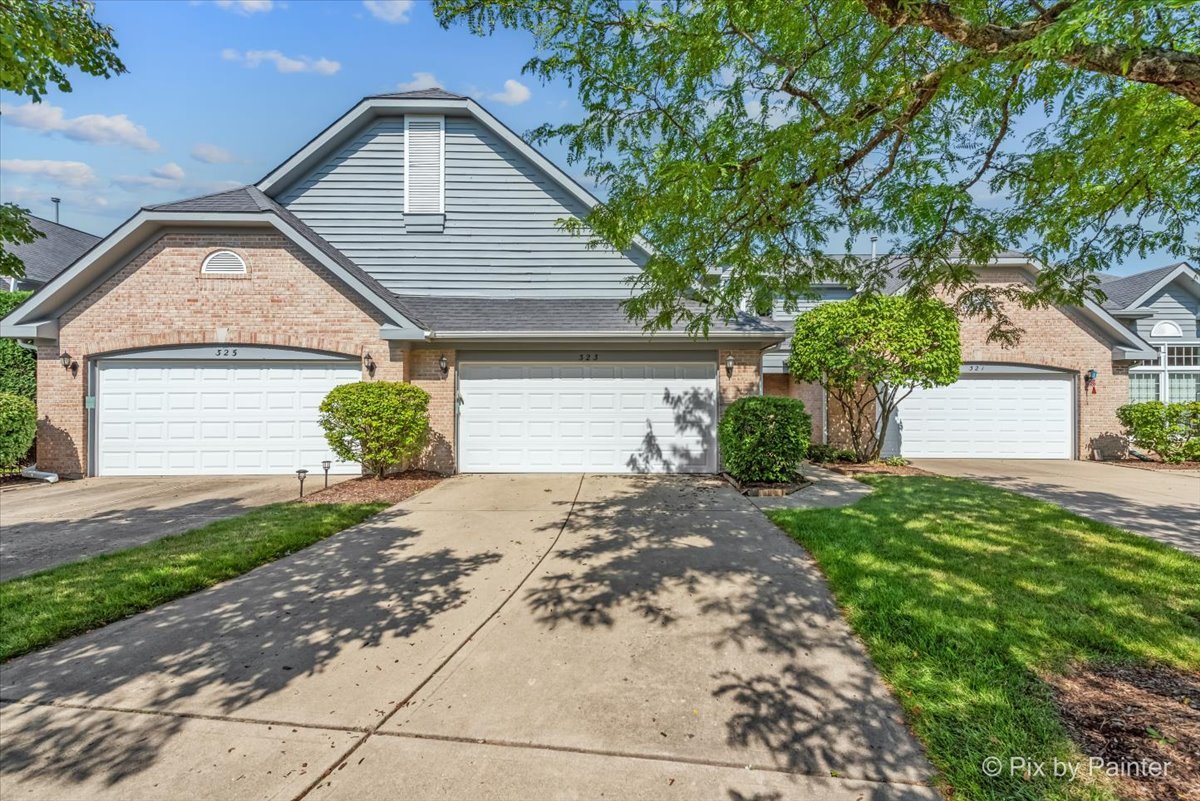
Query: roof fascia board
x=1183, y=270
x=579, y=336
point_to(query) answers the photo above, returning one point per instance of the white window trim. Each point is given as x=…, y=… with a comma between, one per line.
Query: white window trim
x=441, y=120
x=1164, y=370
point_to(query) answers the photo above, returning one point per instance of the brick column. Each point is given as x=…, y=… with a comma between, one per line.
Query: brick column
x=424, y=371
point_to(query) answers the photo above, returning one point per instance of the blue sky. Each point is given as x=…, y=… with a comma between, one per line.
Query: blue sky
x=218, y=93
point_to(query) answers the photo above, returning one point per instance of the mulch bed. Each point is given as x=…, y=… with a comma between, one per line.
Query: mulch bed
x=848, y=469
x=393, y=489
x=1137, y=716
x=1139, y=464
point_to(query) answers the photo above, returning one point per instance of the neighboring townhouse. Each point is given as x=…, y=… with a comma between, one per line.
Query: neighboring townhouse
x=1052, y=396
x=414, y=239
x=1162, y=307
x=47, y=256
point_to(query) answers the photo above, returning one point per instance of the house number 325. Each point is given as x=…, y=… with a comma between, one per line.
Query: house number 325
x=589, y=357
x=227, y=351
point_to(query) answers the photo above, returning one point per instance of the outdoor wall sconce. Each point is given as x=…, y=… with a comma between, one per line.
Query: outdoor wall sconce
x=729, y=365
x=301, y=474
x=65, y=360
x=369, y=364
x=444, y=365
x=325, y=465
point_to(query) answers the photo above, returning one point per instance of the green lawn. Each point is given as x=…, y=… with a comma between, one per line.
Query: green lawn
x=43, y=608
x=964, y=594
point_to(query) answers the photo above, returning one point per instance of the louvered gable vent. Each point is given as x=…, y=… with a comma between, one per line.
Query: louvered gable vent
x=225, y=262
x=424, y=164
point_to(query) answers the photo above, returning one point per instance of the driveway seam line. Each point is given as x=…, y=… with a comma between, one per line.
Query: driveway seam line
x=164, y=713
x=449, y=657
x=715, y=763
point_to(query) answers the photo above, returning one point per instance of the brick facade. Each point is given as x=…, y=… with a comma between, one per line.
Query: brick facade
x=1057, y=338
x=159, y=299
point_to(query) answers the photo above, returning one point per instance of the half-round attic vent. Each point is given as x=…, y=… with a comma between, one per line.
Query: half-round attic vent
x=223, y=262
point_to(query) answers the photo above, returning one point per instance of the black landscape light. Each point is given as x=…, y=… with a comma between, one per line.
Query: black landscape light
x=326, y=465
x=301, y=474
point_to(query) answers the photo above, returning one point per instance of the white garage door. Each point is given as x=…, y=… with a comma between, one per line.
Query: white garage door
x=604, y=417
x=1011, y=416
x=190, y=418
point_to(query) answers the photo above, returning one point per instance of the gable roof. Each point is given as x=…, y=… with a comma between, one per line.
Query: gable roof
x=243, y=206
x=422, y=101
x=52, y=253
x=1131, y=291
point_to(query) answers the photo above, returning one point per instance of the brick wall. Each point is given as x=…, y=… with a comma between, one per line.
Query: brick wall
x=811, y=395
x=425, y=371
x=160, y=299
x=1061, y=339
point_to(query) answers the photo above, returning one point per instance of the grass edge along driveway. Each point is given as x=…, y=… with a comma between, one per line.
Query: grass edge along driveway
x=964, y=594
x=42, y=608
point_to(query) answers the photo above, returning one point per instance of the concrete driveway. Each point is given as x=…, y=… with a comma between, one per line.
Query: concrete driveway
x=1161, y=504
x=43, y=525
x=507, y=637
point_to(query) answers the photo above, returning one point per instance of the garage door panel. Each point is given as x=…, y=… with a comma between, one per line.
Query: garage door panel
x=184, y=419
x=610, y=418
x=1000, y=417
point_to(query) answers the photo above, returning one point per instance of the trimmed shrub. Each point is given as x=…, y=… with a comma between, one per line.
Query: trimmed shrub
x=381, y=424
x=18, y=427
x=18, y=367
x=1171, y=430
x=764, y=438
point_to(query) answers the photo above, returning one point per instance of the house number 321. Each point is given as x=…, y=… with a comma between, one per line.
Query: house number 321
x=227, y=351
x=589, y=357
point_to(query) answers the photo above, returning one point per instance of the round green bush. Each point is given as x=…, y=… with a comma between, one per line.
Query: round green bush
x=381, y=424
x=764, y=438
x=18, y=427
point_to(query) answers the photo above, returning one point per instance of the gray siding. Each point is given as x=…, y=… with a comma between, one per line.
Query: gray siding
x=823, y=295
x=1172, y=303
x=500, y=236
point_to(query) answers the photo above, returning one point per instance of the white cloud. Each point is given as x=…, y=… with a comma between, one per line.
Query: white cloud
x=169, y=171
x=284, y=64
x=421, y=80
x=39, y=200
x=211, y=154
x=515, y=93
x=64, y=173
x=246, y=6
x=99, y=129
x=391, y=11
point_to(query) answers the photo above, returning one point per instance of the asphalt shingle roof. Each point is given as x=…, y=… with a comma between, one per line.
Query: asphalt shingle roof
x=479, y=314
x=434, y=93
x=46, y=257
x=1120, y=292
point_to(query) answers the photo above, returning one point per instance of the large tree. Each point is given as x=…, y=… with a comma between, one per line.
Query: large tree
x=744, y=139
x=39, y=41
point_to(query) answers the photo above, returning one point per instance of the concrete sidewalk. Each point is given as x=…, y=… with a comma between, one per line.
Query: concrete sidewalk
x=1161, y=504
x=494, y=637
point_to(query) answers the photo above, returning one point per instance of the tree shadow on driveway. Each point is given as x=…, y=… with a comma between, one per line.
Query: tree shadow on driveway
x=331, y=636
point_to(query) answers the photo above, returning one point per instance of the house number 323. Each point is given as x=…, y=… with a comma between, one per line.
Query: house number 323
x=589, y=357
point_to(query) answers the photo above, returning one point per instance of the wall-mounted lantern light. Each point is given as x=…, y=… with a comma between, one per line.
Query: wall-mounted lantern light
x=444, y=365
x=729, y=365
x=65, y=360
x=369, y=364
